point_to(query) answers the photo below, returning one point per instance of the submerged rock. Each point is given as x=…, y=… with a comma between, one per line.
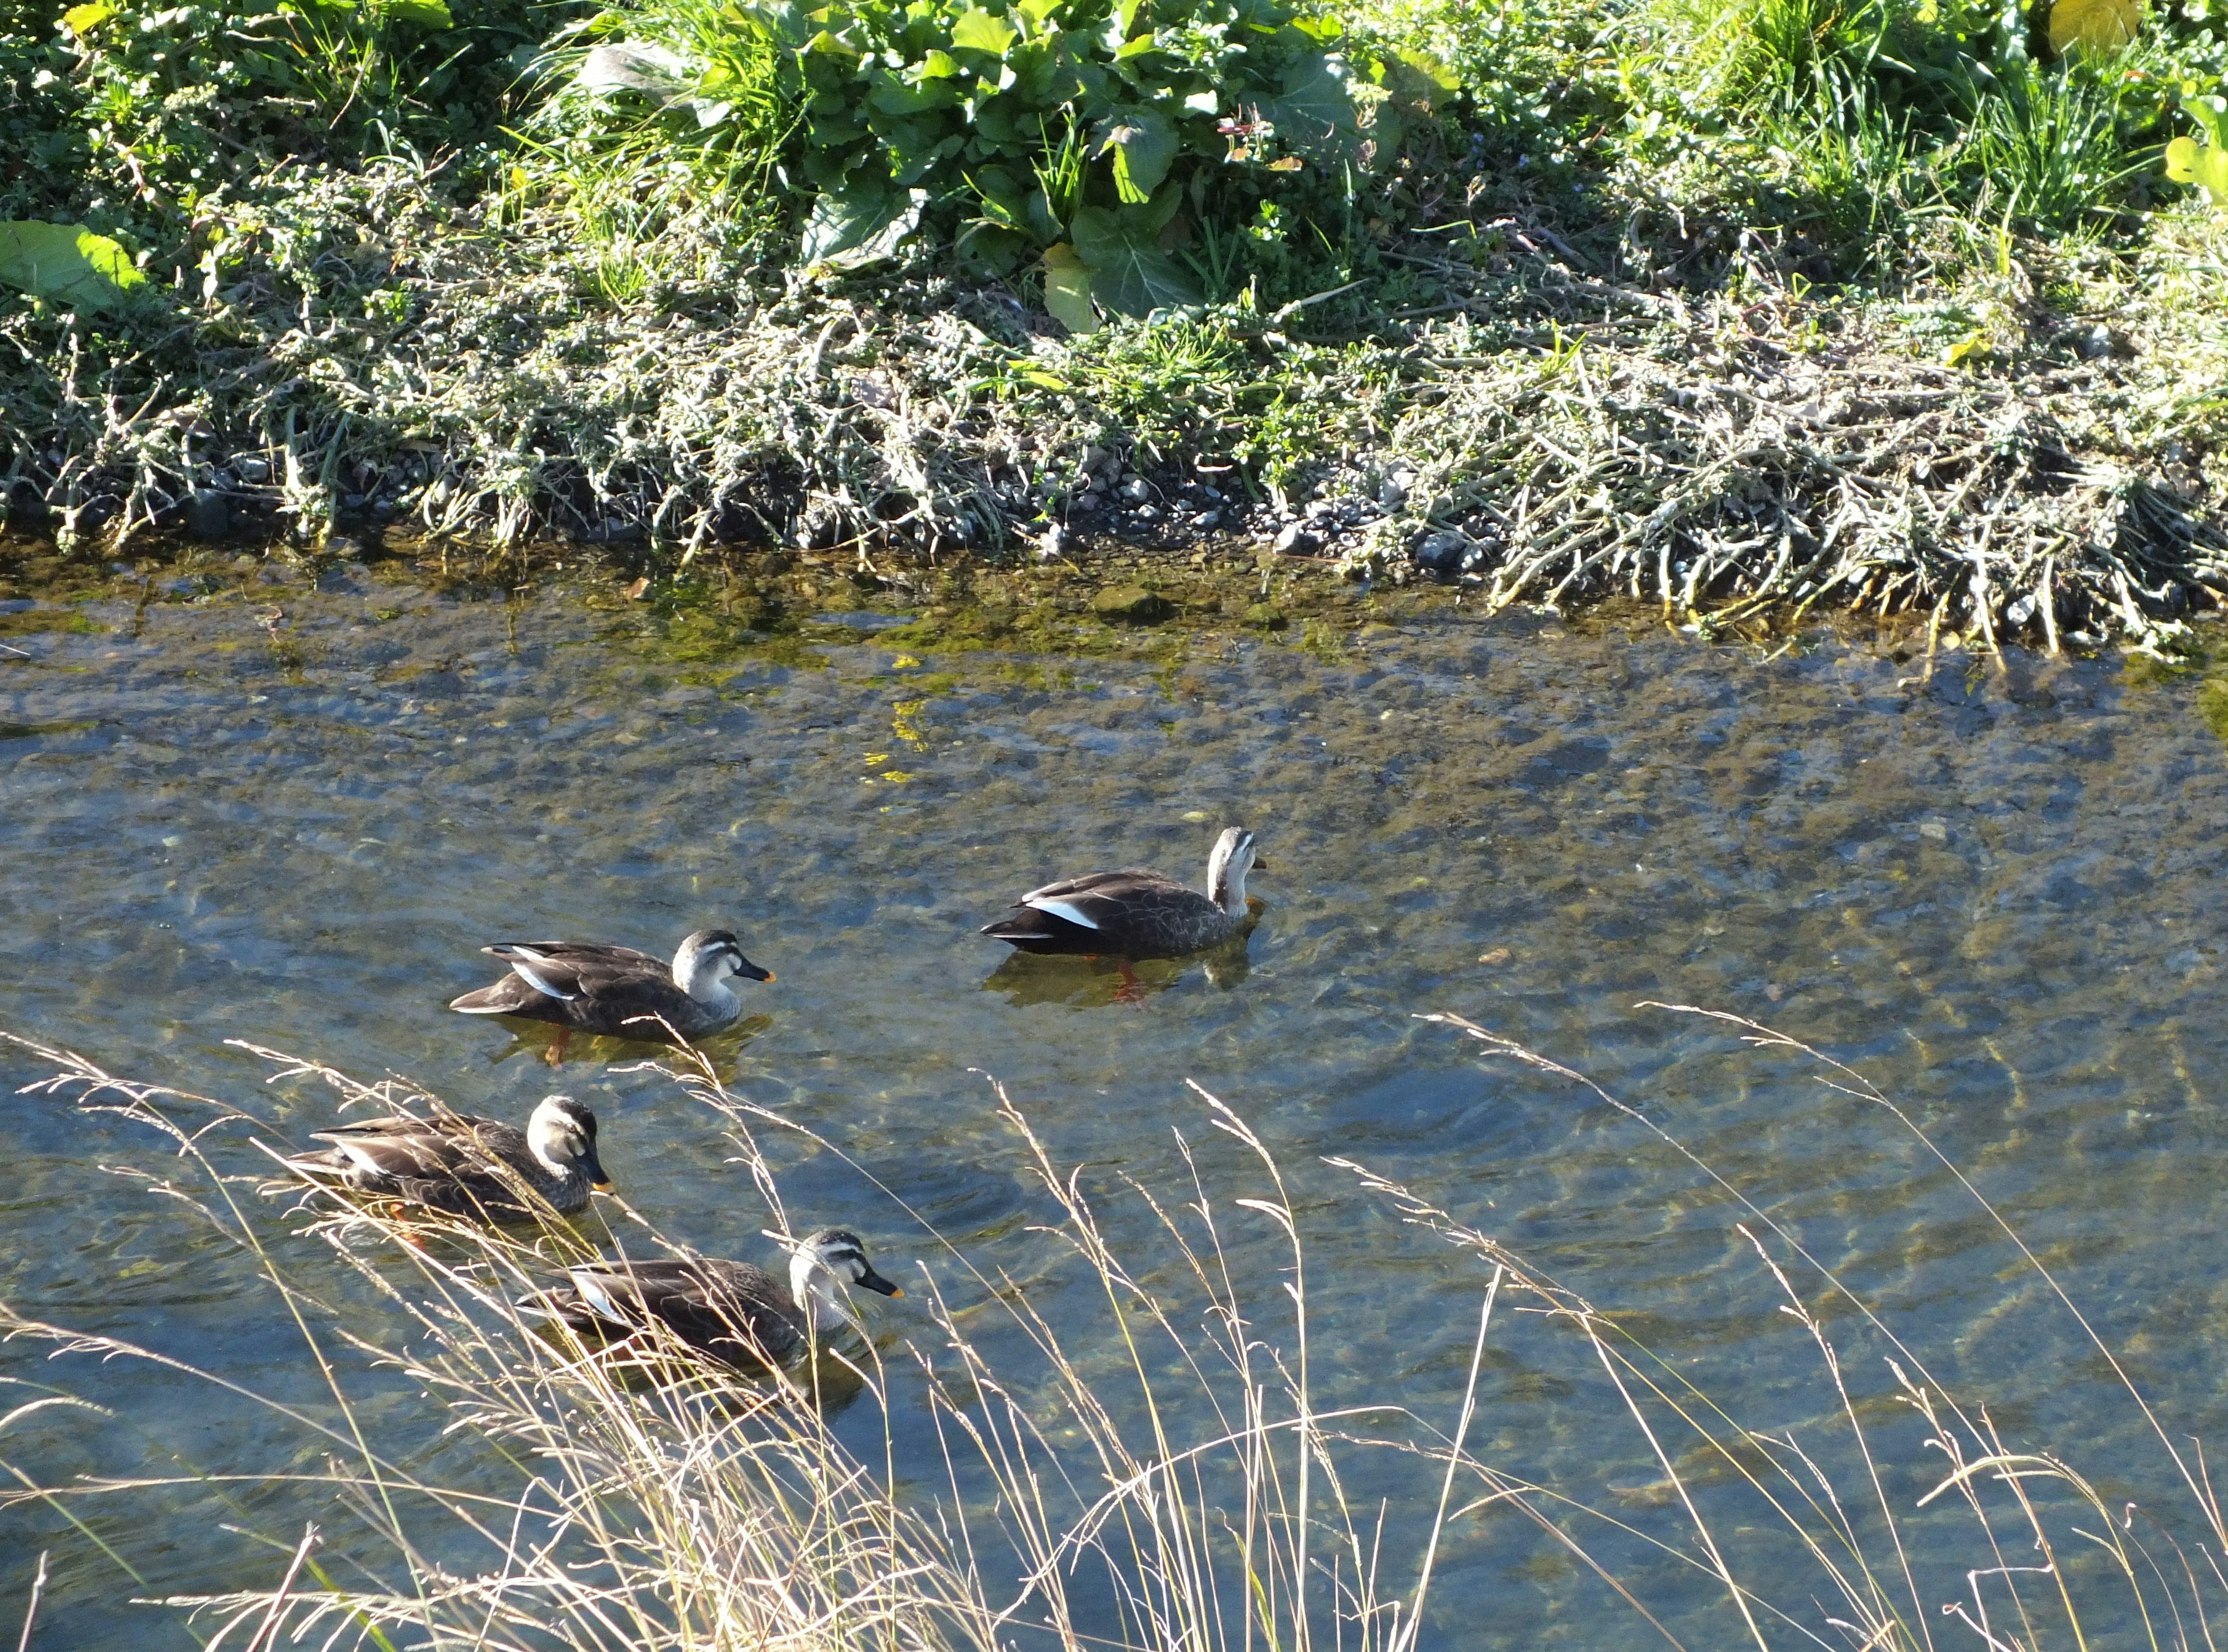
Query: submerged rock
x=1130, y=604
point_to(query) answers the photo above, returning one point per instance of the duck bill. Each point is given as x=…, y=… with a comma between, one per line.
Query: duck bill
x=874, y=1281
x=750, y=971
x=597, y=1177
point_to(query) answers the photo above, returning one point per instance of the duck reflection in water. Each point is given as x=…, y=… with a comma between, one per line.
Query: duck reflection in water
x=1086, y=982
x=553, y=1045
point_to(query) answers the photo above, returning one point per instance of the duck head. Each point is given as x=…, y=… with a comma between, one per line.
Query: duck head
x=824, y=1264
x=562, y=1134
x=708, y=963
x=1226, y=868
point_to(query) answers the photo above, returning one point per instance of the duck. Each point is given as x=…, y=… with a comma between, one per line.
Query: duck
x=458, y=1165
x=590, y=987
x=735, y=1312
x=1135, y=912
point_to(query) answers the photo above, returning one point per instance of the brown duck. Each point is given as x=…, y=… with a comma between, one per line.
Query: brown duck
x=732, y=1311
x=615, y=990
x=477, y=1169
x=1136, y=914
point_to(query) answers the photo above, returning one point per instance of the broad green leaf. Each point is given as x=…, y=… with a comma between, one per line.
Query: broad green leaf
x=895, y=98
x=1067, y=290
x=83, y=19
x=2095, y=25
x=419, y=14
x=1129, y=274
x=1143, y=144
x=66, y=263
x=860, y=226
x=938, y=66
x=1313, y=111
x=2205, y=165
x=980, y=31
x=1419, y=78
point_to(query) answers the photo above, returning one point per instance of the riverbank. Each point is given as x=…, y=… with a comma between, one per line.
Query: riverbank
x=1547, y=438
x=1649, y=302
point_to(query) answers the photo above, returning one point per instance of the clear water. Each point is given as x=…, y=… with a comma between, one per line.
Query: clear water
x=291, y=817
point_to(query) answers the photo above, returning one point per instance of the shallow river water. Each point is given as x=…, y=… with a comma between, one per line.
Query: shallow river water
x=291, y=817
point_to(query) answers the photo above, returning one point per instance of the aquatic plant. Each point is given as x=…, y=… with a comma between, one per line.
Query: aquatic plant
x=1162, y=1472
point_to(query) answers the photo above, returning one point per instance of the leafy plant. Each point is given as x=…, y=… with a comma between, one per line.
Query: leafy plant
x=175, y=101
x=1098, y=135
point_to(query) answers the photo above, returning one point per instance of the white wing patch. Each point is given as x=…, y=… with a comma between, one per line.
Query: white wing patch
x=598, y=1298
x=358, y=1153
x=525, y=973
x=1066, y=909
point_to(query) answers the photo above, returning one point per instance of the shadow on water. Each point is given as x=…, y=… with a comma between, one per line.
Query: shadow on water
x=1027, y=978
x=540, y=1041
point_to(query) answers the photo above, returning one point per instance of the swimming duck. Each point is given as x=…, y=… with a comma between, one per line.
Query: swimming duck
x=1136, y=914
x=733, y=1311
x=617, y=990
x=462, y=1166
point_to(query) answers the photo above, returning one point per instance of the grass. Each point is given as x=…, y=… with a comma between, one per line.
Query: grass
x=536, y=275
x=1161, y=1471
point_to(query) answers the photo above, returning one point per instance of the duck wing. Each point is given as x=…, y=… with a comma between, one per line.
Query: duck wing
x=1132, y=911
x=456, y=1164
x=728, y=1308
x=571, y=969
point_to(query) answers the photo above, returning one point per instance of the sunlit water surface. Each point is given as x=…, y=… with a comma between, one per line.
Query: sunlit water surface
x=1997, y=894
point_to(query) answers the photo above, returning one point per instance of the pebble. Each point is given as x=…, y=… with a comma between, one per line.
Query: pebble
x=1296, y=541
x=1136, y=490
x=254, y=471
x=1445, y=552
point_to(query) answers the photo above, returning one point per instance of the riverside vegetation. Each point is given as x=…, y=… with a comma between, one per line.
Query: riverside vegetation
x=1910, y=306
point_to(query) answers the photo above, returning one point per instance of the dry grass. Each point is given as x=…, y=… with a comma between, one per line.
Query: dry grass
x=1545, y=435
x=1165, y=1473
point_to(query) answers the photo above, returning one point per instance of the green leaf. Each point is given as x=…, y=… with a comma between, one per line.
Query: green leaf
x=2094, y=25
x=83, y=19
x=980, y=31
x=1129, y=274
x=66, y=263
x=1313, y=111
x=1418, y=78
x=1143, y=144
x=1067, y=290
x=2205, y=165
x=860, y=226
x=895, y=98
x=419, y=14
